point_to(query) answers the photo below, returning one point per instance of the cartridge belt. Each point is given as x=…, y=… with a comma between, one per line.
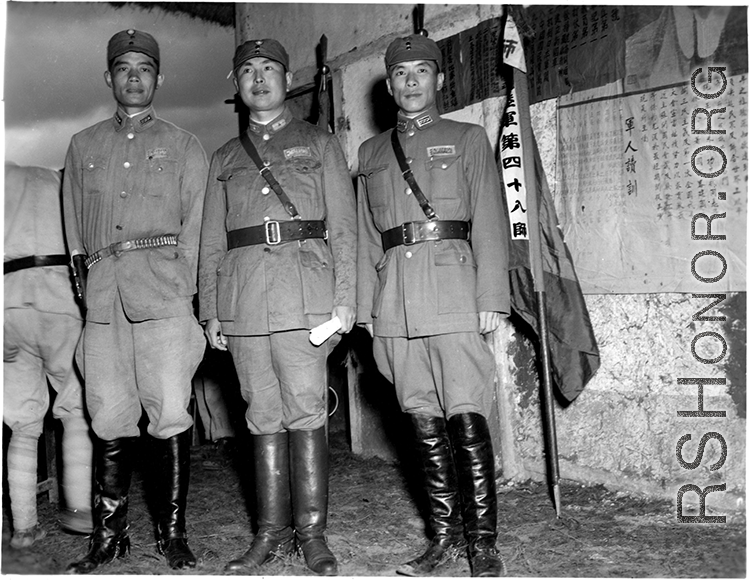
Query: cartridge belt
x=410, y=233
x=35, y=262
x=274, y=232
x=117, y=248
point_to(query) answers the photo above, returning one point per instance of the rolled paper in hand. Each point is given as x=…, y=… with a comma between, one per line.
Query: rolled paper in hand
x=320, y=334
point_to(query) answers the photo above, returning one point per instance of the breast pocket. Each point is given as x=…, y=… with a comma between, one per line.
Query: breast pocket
x=94, y=175
x=302, y=179
x=163, y=177
x=237, y=185
x=446, y=176
x=377, y=182
x=305, y=165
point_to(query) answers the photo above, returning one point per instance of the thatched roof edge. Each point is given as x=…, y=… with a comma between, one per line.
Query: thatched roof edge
x=221, y=13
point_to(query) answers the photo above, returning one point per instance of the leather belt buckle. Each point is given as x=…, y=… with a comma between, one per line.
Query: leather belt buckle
x=115, y=249
x=273, y=233
x=407, y=233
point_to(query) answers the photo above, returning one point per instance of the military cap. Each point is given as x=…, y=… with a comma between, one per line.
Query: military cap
x=132, y=41
x=413, y=47
x=267, y=47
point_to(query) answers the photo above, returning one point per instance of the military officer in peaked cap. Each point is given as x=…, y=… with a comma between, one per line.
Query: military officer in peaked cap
x=133, y=197
x=278, y=257
x=432, y=279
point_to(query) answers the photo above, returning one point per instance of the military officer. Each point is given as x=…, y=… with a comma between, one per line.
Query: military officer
x=41, y=330
x=133, y=198
x=432, y=278
x=278, y=257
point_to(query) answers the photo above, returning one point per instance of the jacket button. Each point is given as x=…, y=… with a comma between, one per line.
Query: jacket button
x=126, y=165
x=407, y=191
x=123, y=194
x=265, y=191
x=408, y=254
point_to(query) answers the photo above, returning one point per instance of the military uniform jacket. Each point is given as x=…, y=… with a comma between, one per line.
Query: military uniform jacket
x=129, y=178
x=34, y=226
x=438, y=287
x=259, y=289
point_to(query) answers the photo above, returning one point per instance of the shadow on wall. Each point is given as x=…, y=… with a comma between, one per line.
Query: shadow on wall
x=382, y=107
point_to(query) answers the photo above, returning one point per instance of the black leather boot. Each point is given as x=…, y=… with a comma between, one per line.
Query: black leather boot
x=174, y=478
x=309, y=471
x=441, y=484
x=274, y=503
x=475, y=463
x=112, y=472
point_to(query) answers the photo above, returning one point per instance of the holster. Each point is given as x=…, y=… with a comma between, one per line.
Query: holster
x=80, y=274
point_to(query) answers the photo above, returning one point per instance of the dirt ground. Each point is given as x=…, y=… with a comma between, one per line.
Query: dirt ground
x=375, y=524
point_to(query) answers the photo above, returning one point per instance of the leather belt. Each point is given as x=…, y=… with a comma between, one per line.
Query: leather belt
x=410, y=233
x=117, y=248
x=35, y=262
x=274, y=232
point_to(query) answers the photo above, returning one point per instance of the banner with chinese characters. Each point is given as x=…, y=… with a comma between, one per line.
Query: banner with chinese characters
x=512, y=158
x=628, y=192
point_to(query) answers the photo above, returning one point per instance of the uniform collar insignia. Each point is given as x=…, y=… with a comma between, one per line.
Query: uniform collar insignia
x=423, y=120
x=137, y=122
x=274, y=126
x=429, y=117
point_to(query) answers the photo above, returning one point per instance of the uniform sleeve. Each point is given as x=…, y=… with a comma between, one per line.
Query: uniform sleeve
x=341, y=216
x=489, y=226
x=72, y=192
x=192, y=192
x=213, y=243
x=369, y=248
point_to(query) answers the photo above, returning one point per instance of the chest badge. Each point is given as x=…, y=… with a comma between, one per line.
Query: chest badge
x=297, y=152
x=158, y=153
x=442, y=151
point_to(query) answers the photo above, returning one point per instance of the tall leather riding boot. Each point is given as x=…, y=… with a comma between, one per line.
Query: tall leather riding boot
x=441, y=484
x=173, y=482
x=309, y=471
x=112, y=472
x=274, y=504
x=475, y=463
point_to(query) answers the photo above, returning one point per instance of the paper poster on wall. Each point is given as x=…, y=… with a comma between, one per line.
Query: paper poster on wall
x=632, y=185
x=628, y=190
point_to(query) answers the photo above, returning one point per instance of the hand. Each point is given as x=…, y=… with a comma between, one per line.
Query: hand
x=346, y=315
x=214, y=335
x=488, y=322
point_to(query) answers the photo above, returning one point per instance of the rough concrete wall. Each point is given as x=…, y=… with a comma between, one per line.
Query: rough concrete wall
x=624, y=429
